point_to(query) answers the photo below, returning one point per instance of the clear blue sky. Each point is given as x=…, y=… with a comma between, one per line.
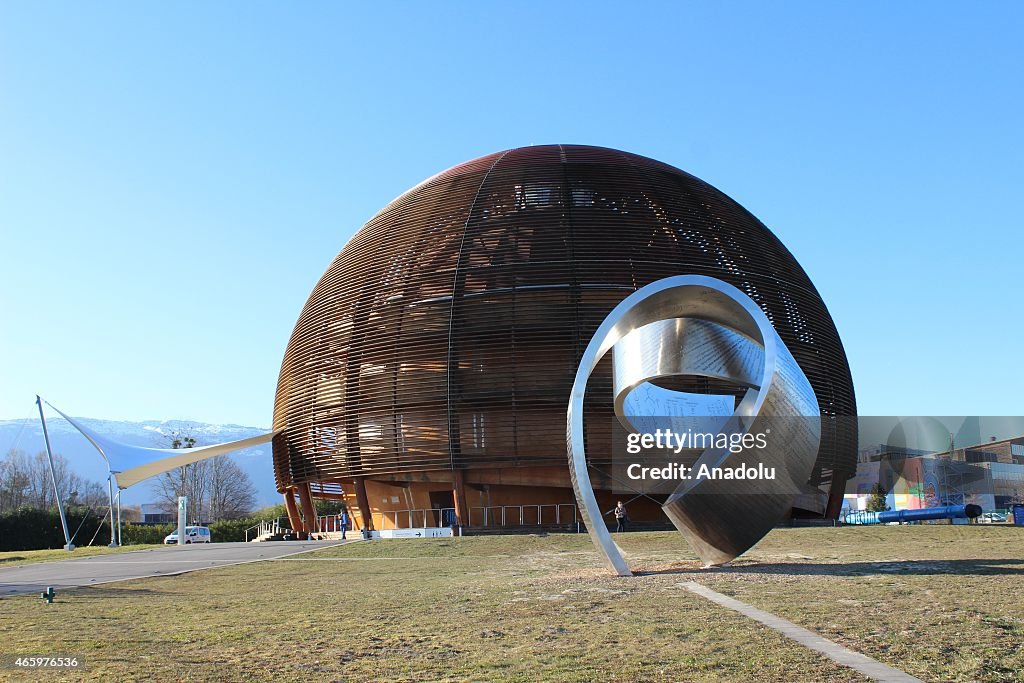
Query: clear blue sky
x=175, y=177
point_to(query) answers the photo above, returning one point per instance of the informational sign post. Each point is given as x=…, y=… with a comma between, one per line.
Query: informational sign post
x=182, y=508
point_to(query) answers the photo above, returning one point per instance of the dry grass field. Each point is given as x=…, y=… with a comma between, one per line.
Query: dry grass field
x=940, y=602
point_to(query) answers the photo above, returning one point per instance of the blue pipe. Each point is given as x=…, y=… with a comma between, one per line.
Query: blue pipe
x=945, y=512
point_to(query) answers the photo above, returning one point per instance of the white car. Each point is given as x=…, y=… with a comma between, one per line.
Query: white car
x=193, y=534
x=992, y=518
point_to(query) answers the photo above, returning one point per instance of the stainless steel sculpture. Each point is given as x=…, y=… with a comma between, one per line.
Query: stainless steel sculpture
x=696, y=325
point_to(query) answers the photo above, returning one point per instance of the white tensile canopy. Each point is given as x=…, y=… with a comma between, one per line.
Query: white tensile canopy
x=131, y=464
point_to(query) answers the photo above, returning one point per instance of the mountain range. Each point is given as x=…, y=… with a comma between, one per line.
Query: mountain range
x=27, y=435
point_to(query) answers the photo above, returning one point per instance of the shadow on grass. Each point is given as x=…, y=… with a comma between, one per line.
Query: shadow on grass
x=68, y=592
x=111, y=592
x=1004, y=567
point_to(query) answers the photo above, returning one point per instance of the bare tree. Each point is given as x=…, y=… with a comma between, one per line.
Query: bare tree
x=232, y=494
x=182, y=481
x=14, y=481
x=25, y=482
x=216, y=488
x=88, y=493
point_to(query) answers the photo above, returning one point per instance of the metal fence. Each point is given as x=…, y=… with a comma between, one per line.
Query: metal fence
x=331, y=523
x=420, y=518
x=268, y=527
x=510, y=516
x=562, y=514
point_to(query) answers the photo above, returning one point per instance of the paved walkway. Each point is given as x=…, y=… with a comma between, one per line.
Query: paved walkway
x=89, y=571
x=871, y=668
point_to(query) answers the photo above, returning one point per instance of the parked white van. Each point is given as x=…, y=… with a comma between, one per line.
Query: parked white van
x=193, y=534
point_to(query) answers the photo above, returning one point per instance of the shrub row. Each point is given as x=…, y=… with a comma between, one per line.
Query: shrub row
x=221, y=532
x=137, y=534
x=35, y=529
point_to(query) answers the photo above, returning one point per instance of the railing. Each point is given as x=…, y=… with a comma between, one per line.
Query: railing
x=561, y=514
x=269, y=527
x=859, y=517
x=332, y=523
x=420, y=518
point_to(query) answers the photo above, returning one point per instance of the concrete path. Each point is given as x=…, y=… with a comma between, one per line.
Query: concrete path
x=89, y=571
x=871, y=668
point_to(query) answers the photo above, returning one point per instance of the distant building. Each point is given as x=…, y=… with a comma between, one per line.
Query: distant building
x=154, y=513
x=989, y=474
x=1006, y=451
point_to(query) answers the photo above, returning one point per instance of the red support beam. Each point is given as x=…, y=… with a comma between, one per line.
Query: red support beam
x=364, y=503
x=308, y=511
x=293, y=511
x=459, y=492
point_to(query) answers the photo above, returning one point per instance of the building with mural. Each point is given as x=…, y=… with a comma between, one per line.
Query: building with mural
x=989, y=474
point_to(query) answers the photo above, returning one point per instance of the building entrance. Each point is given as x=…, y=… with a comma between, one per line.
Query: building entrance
x=443, y=504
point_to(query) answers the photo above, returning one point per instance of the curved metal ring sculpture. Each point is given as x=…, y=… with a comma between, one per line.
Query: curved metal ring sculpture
x=696, y=325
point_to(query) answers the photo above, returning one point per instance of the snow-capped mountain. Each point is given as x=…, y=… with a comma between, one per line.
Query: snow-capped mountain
x=27, y=435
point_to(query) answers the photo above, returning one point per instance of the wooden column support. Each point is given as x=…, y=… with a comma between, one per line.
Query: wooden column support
x=364, y=503
x=293, y=511
x=459, y=492
x=308, y=511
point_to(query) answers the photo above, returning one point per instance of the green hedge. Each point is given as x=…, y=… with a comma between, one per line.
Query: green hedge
x=231, y=529
x=137, y=534
x=220, y=532
x=35, y=529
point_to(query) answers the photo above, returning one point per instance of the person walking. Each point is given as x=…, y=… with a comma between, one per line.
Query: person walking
x=344, y=522
x=620, y=517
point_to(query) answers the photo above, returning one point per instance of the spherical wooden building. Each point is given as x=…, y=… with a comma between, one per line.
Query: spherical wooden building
x=429, y=372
